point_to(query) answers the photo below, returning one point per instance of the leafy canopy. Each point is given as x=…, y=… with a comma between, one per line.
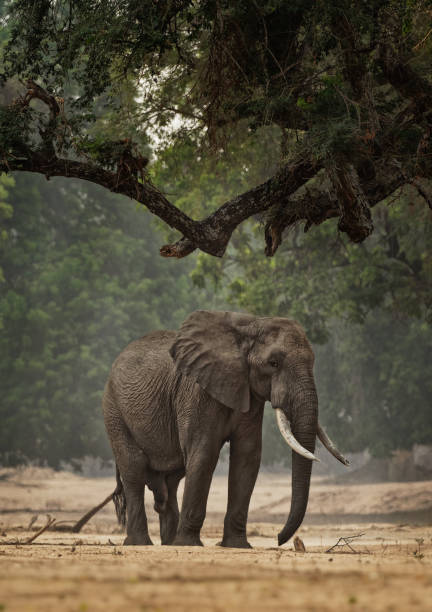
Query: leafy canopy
x=347, y=83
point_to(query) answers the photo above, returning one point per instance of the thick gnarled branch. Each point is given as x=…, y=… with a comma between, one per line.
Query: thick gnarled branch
x=348, y=199
x=317, y=202
x=355, y=218
x=212, y=234
x=36, y=91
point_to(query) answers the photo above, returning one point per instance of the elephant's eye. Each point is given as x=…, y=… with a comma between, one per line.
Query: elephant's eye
x=274, y=363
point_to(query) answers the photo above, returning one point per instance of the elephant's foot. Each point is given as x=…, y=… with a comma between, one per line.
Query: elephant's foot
x=234, y=541
x=138, y=540
x=187, y=539
x=168, y=526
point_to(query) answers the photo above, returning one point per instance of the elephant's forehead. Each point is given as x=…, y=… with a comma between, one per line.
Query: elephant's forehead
x=283, y=332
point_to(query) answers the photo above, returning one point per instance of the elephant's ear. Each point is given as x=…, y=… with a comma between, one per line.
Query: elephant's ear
x=211, y=348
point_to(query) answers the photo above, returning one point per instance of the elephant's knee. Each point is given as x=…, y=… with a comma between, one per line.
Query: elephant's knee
x=160, y=505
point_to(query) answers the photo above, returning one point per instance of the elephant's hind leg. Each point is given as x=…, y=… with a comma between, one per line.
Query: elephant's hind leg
x=137, y=529
x=169, y=518
x=132, y=463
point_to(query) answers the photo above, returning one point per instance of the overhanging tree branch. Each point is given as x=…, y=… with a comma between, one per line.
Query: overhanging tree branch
x=210, y=235
x=349, y=198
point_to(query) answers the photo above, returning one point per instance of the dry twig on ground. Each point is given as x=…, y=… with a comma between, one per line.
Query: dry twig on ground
x=346, y=541
x=31, y=539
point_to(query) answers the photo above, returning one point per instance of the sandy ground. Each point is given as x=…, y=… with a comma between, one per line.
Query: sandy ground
x=392, y=569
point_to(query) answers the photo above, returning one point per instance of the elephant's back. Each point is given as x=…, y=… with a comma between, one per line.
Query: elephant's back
x=156, y=341
x=145, y=358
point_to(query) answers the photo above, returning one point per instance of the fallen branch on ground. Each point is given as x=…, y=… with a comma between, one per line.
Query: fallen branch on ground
x=31, y=539
x=83, y=520
x=346, y=541
x=76, y=527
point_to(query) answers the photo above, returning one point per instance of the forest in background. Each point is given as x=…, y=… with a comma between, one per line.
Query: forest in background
x=80, y=270
x=81, y=276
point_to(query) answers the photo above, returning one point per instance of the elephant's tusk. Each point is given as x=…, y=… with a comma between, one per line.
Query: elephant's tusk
x=287, y=434
x=330, y=446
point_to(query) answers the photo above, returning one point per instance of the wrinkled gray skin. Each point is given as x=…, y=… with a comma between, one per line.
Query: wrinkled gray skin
x=173, y=399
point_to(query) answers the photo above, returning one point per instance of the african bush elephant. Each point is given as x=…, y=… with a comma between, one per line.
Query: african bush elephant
x=173, y=399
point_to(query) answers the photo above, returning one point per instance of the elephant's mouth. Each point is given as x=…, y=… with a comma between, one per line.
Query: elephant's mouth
x=258, y=396
x=288, y=436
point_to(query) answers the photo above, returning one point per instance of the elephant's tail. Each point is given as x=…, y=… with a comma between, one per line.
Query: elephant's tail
x=119, y=499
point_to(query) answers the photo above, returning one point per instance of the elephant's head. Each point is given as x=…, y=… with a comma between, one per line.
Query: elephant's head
x=233, y=355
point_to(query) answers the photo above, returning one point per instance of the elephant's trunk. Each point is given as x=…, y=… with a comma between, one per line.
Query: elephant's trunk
x=304, y=430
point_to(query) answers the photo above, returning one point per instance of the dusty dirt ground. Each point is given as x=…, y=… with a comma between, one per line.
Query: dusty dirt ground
x=391, y=571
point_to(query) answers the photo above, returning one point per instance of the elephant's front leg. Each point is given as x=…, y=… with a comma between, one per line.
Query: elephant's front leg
x=199, y=471
x=245, y=459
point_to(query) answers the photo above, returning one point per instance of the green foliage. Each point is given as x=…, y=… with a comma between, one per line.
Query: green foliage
x=82, y=278
x=218, y=63
x=367, y=308
x=198, y=182
x=373, y=385
x=370, y=308
x=6, y=212
x=317, y=278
